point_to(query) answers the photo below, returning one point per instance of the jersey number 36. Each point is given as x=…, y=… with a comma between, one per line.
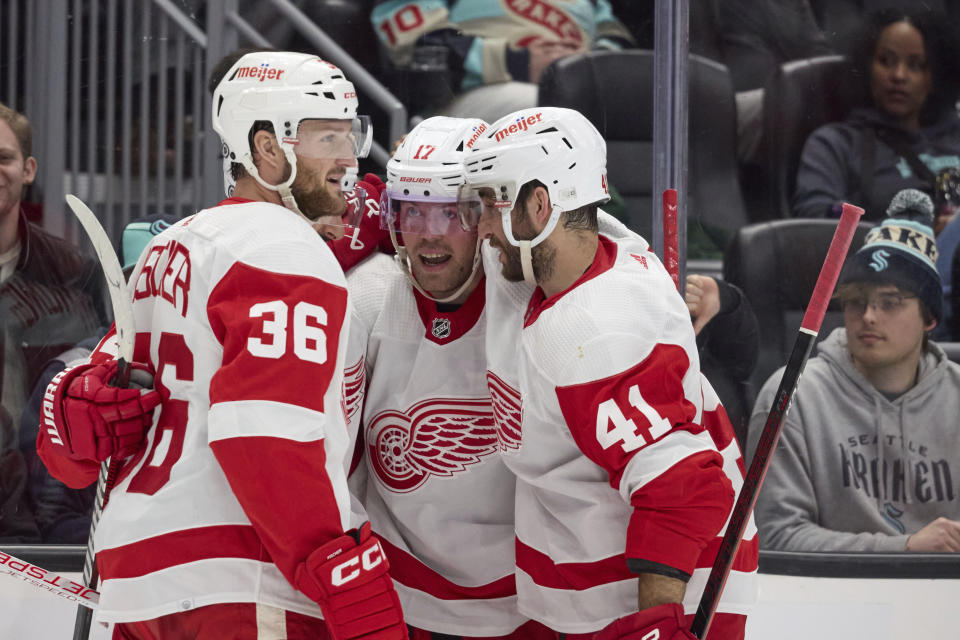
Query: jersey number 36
x=309, y=339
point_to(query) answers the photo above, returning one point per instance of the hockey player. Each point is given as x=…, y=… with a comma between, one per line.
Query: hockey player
x=234, y=519
x=627, y=465
x=437, y=494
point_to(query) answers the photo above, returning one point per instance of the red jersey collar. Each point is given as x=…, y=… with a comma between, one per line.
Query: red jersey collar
x=446, y=326
x=602, y=261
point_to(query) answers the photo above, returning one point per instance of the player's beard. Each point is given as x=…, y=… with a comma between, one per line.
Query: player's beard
x=317, y=200
x=542, y=256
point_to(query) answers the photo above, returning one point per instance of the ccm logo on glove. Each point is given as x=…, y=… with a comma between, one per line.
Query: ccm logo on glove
x=347, y=571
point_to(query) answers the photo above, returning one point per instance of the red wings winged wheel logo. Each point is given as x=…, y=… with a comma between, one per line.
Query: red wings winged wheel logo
x=437, y=436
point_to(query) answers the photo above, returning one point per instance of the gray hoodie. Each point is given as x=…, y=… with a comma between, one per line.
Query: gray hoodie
x=854, y=471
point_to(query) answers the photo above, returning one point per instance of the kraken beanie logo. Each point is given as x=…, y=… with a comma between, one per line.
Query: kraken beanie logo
x=879, y=260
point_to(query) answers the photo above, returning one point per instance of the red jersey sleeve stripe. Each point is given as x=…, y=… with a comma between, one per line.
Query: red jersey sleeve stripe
x=570, y=575
x=180, y=547
x=410, y=572
x=746, y=560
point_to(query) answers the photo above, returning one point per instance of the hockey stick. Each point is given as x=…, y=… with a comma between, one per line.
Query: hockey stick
x=48, y=581
x=809, y=328
x=123, y=322
x=671, y=248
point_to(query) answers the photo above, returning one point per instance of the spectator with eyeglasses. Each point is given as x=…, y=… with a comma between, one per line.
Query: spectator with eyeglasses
x=867, y=460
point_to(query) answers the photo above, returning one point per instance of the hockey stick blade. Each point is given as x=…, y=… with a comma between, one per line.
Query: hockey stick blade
x=48, y=581
x=123, y=323
x=116, y=283
x=809, y=328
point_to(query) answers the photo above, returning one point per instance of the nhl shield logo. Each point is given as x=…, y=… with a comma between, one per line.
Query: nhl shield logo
x=441, y=328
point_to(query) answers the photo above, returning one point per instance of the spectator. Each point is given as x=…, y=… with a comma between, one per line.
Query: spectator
x=908, y=62
x=954, y=299
x=17, y=525
x=50, y=296
x=495, y=51
x=867, y=458
x=946, y=207
x=62, y=513
x=728, y=341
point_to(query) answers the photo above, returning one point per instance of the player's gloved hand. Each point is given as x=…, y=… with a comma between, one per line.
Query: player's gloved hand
x=348, y=578
x=360, y=241
x=664, y=622
x=374, y=180
x=92, y=420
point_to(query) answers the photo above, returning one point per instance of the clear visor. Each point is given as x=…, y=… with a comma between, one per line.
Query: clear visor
x=433, y=216
x=489, y=198
x=333, y=139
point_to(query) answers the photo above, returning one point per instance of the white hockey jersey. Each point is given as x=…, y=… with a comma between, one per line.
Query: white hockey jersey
x=603, y=443
x=436, y=492
x=244, y=314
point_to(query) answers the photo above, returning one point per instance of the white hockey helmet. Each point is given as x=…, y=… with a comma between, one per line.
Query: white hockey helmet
x=284, y=89
x=423, y=188
x=557, y=146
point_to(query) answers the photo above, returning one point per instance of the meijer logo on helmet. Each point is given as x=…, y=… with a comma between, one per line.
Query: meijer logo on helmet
x=522, y=124
x=476, y=135
x=263, y=72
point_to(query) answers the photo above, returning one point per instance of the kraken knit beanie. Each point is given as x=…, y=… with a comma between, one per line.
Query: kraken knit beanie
x=901, y=251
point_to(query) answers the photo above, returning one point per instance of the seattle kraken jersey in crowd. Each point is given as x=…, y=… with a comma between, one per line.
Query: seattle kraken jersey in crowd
x=482, y=35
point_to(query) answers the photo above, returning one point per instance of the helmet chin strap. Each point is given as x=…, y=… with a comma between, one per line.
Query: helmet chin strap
x=286, y=195
x=526, y=246
x=526, y=262
x=403, y=259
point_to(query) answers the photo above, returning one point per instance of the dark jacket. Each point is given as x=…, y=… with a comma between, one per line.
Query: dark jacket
x=729, y=346
x=17, y=525
x=833, y=161
x=62, y=514
x=54, y=299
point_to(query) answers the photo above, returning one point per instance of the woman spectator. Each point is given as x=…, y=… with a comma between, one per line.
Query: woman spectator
x=907, y=61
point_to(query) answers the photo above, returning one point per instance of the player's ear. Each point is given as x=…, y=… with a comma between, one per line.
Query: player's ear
x=266, y=149
x=541, y=210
